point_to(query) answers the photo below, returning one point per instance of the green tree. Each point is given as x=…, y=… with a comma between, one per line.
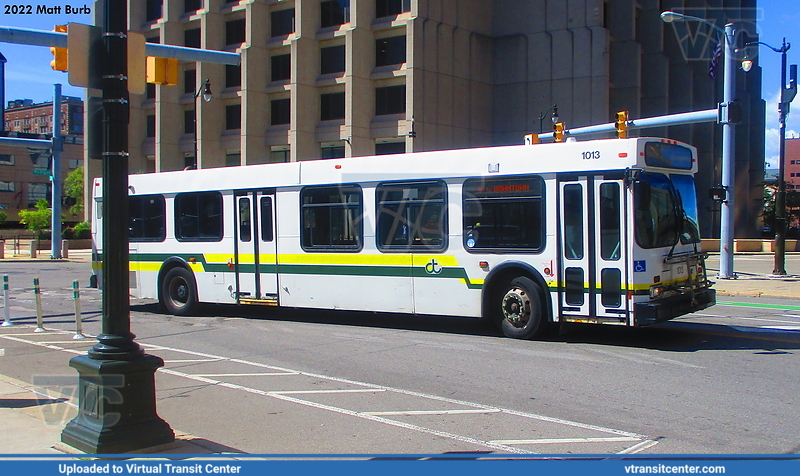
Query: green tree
x=73, y=188
x=39, y=219
x=3, y=216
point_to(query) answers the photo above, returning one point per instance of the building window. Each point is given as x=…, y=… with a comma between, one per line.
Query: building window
x=150, y=91
x=6, y=159
x=198, y=216
x=75, y=163
x=233, y=76
x=188, y=121
x=37, y=191
x=281, y=112
x=504, y=213
x=385, y=8
x=153, y=10
x=331, y=218
x=191, y=38
x=335, y=12
x=280, y=153
x=388, y=148
x=6, y=186
x=281, y=66
x=331, y=106
x=147, y=218
x=151, y=125
x=332, y=59
x=232, y=159
x=233, y=116
x=192, y=5
x=390, y=100
x=412, y=216
x=333, y=150
x=390, y=50
x=189, y=81
x=282, y=22
x=234, y=32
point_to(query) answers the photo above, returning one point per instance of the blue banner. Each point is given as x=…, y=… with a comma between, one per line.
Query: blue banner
x=401, y=465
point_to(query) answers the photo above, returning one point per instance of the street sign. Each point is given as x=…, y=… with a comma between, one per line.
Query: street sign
x=41, y=172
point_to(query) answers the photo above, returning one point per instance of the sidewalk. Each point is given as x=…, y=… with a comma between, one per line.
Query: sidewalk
x=31, y=426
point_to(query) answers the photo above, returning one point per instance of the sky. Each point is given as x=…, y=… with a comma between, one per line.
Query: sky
x=28, y=73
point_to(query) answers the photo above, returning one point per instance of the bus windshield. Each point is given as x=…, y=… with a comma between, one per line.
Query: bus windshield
x=684, y=185
x=656, y=217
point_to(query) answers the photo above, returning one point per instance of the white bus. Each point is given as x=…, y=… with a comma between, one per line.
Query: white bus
x=600, y=231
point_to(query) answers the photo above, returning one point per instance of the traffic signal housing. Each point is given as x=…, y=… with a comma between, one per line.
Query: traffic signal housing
x=60, y=61
x=162, y=71
x=559, y=131
x=622, y=124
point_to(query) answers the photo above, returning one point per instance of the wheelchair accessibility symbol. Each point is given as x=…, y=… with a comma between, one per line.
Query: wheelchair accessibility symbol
x=639, y=266
x=433, y=267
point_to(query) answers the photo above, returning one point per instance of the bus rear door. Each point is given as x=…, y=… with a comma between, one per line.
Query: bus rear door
x=255, y=255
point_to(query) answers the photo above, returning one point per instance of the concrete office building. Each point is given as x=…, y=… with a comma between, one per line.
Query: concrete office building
x=323, y=79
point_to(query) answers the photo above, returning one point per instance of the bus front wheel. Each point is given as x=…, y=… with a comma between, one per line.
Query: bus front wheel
x=520, y=310
x=178, y=292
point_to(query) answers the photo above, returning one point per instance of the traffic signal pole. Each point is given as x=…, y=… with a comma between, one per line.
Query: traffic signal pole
x=116, y=387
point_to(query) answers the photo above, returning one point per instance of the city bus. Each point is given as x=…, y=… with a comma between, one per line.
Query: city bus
x=527, y=237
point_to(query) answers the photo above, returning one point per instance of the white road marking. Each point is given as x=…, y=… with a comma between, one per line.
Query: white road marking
x=257, y=374
x=433, y=412
x=550, y=441
x=190, y=361
x=371, y=388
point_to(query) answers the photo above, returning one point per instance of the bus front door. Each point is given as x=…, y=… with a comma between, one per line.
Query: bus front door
x=255, y=258
x=592, y=245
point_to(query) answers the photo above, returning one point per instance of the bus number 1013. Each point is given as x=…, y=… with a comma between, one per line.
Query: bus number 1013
x=594, y=154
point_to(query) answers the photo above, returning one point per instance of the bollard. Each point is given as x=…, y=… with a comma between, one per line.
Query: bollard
x=77, y=298
x=6, y=310
x=33, y=249
x=39, y=325
x=2, y=249
x=65, y=249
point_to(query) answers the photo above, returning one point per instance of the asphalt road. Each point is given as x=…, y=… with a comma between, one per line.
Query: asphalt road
x=287, y=381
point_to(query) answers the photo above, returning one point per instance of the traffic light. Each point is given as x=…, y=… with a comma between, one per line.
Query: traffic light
x=162, y=71
x=558, y=131
x=622, y=124
x=59, y=62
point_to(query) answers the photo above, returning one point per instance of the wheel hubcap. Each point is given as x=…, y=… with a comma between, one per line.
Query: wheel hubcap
x=180, y=291
x=516, y=307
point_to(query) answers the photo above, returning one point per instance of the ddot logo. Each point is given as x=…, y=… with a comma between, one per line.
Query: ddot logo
x=433, y=267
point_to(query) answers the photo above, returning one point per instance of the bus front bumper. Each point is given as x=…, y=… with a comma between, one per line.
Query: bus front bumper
x=647, y=313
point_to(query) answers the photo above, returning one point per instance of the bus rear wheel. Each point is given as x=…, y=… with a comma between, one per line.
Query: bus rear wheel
x=178, y=292
x=520, y=313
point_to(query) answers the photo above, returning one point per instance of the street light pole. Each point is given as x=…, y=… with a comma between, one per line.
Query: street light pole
x=787, y=95
x=205, y=90
x=728, y=142
x=554, y=117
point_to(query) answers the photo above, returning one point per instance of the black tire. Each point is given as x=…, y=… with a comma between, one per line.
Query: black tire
x=179, y=292
x=519, y=310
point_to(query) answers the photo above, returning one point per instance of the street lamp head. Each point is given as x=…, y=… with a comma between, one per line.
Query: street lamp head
x=669, y=17
x=554, y=118
x=207, y=91
x=747, y=62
